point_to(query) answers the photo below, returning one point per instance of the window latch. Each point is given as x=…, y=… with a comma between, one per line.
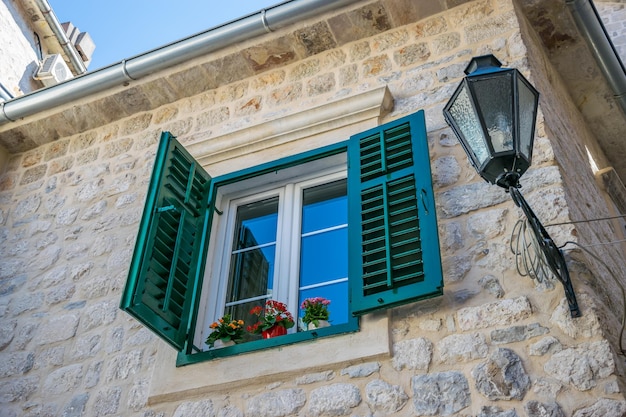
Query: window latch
x=166, y=208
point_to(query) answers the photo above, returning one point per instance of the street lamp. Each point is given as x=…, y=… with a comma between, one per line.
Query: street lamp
x=493, y=113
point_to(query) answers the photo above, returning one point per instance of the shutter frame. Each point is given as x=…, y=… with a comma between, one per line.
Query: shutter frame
x=394, y=255
x=166, y=267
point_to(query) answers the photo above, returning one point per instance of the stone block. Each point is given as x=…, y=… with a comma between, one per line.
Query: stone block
x=60, y=294
x=376, y=66
x=492, y=285
x=27, y=206
x=76, y=406
x=458, y=348
x=604, y=407
x=498, y=313
x=363, y=22
x=138, y=395
x=334, y=400
x=60, y=381
x=494, y=411
x=316, y=38
x=15, y=363
x=7, y=332
x=276, y=404
x=488, y=224
x=135, y=124
x=56, y=149
x=197, y=408
x=446, y=171
x=316, y=377
x=107, y=402
x=538, y=409
x=321, y=84
x=269, y=55
x=412, y=54
x=384, y=397
x=412, y=354
x=588, y=325
x=582, y=366
x=389, y=40
x=124, y=365
x=456, y=267
x=502, y=376
x=57, y=328
x=285, y=94
x=361, y=370
x=228, y=69
x=25, y=302
x=86, y=346
x=443, y=393
x=60, y=165
x=517, y=333
x=18, y=389
x=117, y=148
x=430, y=27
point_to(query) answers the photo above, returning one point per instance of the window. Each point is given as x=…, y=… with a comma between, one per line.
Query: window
x=285, y=237
x=300, y=226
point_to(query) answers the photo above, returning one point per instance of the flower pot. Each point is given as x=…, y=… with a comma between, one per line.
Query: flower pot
x=219, y=343
x=273, y=332
x=320, y=324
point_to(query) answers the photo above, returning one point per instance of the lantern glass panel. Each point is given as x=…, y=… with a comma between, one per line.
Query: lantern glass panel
x=463, y=113
x=494, y=97
x=527, y=107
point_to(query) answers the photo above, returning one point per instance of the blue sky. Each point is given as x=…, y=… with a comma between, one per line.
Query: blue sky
x=123, y=29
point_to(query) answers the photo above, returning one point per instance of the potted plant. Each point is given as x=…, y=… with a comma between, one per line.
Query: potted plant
x=226, y=332
x=315, y=312
x=274, y=319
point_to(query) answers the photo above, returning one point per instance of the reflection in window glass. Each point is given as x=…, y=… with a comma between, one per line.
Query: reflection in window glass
x=252, y=257
x=324, y=247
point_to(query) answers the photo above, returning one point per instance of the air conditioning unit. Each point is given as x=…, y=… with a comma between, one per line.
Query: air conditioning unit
x=53, y=70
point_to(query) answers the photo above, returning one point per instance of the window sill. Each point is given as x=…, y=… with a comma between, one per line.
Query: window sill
x=172, y=383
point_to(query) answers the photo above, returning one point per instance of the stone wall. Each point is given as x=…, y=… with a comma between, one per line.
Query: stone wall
x=496, y=344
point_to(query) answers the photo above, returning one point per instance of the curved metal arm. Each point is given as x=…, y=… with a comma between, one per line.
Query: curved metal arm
x=553, y=255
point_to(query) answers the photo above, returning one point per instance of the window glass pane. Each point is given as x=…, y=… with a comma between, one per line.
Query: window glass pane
x=324, y=257
x=337, y=293
x=252, y=259
x=256, y=223
x=324, y=206
x=324, y=248
x=242, y=312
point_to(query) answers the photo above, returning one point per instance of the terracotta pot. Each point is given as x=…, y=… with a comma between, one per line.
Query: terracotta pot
x=273, y=332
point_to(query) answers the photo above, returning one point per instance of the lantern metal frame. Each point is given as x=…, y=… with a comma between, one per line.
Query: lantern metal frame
x=505, y=167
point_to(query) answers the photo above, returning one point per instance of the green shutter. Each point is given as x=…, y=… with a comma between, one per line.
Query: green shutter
x=165, y=269
x=393, y=239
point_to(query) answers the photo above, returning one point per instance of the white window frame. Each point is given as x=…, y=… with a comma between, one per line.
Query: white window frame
x=288, y=186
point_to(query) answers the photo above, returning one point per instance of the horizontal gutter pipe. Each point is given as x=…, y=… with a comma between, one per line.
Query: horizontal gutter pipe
x=590, y=24
x=58, y=31
x=166, y=56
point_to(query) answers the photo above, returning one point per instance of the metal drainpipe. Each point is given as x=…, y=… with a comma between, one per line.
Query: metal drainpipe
x=58, y=31
x=589, y=22
x=4, y=93
x=134, y=68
